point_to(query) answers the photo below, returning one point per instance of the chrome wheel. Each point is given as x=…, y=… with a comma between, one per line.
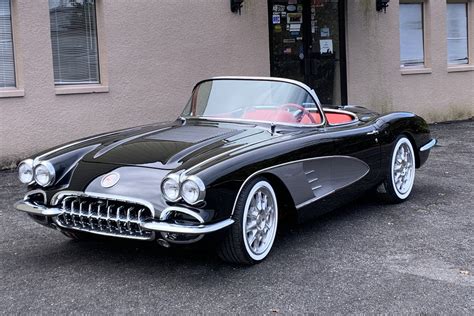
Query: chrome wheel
x=403, y=168
x=260, y=220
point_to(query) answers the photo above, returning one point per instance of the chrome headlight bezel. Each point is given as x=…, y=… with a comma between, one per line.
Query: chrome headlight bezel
x=27, y=163
x=199, y=185
x=48, y=166
x=173, y=178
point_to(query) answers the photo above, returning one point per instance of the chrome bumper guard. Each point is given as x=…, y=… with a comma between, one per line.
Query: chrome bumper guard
x=156, y=226
x=429, y=145
x=37, y=209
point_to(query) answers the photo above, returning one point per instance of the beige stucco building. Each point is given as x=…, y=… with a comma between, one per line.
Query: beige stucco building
x=137, y=61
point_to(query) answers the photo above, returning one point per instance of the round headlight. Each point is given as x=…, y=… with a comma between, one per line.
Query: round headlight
x=193, y=190
x=44, y=173
x=170, y=187
x=25, y=171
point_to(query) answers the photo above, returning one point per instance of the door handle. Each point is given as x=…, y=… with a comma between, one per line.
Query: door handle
x=374, y=132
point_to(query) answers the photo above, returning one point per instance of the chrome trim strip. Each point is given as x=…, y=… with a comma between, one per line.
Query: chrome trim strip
x=355, y=117
x=166, y=211
x=313, y=200
x=182, y=229
x=429, y=145
x=33, y=192
x=36, y=209
x=289, y=163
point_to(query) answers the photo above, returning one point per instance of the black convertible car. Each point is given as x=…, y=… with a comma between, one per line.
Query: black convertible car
x=246, y=154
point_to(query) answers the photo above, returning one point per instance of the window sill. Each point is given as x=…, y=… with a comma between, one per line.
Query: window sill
x=415, y=71
x=59, y=90
x=462, y=68
x=11, y=93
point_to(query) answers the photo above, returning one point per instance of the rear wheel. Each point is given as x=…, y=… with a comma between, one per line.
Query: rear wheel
x=250, y=239
x=401, y=172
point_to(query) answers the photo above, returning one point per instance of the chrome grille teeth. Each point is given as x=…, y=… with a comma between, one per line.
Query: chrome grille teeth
x=81, y=218
x=118, y=220
x=104, y=216
x=72, y=213
x=129, y=219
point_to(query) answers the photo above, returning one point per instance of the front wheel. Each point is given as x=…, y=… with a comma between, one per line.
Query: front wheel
x=250, y=239
x=401, y=172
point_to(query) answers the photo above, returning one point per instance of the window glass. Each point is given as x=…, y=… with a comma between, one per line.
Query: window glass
x=74, y=41
x=255, y=100
x=7, y=64
x=411, y=34
x=457, y=33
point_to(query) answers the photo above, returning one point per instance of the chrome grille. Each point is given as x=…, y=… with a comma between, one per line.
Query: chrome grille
x=105, y=216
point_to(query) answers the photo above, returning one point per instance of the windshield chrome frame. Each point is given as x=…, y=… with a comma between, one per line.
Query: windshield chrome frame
x=310, y=91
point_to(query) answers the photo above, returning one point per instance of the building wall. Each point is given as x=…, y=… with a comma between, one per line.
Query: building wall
x=154, y=52
x=374, y=75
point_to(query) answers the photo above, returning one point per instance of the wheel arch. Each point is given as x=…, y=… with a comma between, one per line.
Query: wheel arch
x=286, y=204
x=416, y=150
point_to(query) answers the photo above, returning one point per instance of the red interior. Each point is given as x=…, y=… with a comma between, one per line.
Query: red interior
x=287, y=117
x=270, y=115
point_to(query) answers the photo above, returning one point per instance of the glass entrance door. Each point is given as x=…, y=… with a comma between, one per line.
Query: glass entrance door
x=307, y=44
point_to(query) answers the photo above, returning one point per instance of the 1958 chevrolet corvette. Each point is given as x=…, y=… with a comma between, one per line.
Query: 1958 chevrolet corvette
x=246, y=154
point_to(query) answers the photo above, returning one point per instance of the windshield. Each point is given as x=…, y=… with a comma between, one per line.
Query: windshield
x=253, y=100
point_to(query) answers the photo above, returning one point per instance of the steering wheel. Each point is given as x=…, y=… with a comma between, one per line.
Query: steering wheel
x=298, y=117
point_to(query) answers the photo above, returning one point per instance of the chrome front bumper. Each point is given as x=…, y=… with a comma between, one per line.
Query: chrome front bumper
x=154, y=226
x=429, y=145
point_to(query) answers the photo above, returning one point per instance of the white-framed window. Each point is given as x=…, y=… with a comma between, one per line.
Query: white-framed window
x=7, y=58
x=412, y=48
x=74, y=42
x=457, y=32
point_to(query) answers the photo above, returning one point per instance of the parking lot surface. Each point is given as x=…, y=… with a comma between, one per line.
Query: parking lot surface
x=367, y=257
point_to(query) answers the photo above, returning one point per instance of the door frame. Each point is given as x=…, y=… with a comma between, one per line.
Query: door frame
x=307, y=39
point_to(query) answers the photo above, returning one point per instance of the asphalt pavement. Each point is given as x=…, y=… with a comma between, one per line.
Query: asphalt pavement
x=367, y=257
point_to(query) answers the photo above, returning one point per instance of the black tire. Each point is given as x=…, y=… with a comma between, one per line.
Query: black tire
x=235, y=247
x=394, y=194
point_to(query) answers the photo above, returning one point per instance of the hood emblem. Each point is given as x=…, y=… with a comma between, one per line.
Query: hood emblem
x=110, y=179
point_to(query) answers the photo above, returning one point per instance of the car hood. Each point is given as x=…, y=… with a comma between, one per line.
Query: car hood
x=168, y=146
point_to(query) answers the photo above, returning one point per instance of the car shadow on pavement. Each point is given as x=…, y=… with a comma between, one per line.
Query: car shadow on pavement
x=139, y=254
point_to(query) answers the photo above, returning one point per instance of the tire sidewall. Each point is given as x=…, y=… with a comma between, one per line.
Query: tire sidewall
x=258, y=183
x=391, y=183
